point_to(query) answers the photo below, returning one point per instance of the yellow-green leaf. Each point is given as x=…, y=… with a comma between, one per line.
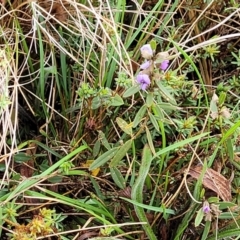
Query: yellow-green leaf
x=126, y=127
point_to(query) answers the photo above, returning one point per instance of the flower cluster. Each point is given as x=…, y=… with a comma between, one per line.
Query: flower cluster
x=143, y=78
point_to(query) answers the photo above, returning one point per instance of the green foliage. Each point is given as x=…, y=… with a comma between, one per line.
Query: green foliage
x=65, y=167
x=75, y=70
x=211, y=51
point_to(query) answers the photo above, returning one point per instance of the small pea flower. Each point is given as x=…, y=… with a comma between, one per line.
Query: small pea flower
x=145, y=65
x=143, y=80
x=164, y=65
x=206, y=208
x=207, y=211
x=146, y=51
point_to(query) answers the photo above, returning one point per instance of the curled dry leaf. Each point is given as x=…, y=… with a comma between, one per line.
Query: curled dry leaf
x=214, y=181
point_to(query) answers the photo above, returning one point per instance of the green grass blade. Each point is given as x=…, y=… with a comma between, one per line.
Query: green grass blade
x=180, y=144
x=137, y=191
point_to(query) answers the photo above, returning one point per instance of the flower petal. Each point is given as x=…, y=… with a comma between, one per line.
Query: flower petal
x=145, y=65
x=139, y=78
x=143, y=80
x=164, y=65
x=144, y=86
x=146, y=51
x=146, y=79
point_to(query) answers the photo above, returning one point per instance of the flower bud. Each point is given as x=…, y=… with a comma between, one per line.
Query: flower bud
x=146, y=51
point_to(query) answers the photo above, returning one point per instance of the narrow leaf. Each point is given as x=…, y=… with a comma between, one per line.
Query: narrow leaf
x=168, y=106
x=149, y=100
x=131, y=91
x=121, y=153
x=166, y=94
x=103, y=139
x=126, y=127
x=139, y=116
x=153, y=45
x=180, y=144
x=154, y=121
x=117, y=177
x=103, y=159
x=150, y=142
x=206, y=230
x=96, y=148
x=148, y=207
x=199, y=217
x=137, y=191
x=222, y=98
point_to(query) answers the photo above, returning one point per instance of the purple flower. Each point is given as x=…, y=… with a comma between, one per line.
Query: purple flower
x=146, y=51
x=145, y=65
x=164, y=65
x=206, y=208
x=143, y=80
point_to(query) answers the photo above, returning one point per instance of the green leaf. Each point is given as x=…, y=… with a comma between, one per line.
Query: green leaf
x=214, y=200
x=117, y=177
x=103, y=159
x=159, y=112
x=148, y=207
x=199, y=217
x=126, y=127
x=149, y=100
x=150, y=142
x=154, y=121
x=180, y=144
x=229, y=149
x=168, y=106
x=30, y=182
x=97, y=188
x=55, y=179
x=96, y=148
x=96, y=102
x=102, y=138
x=139, y=116
x=116, y=101
x=224, y=205
x=230, y=131
x=228, y=215
x=222, y=98
x=206, y=230
x=226, y=234
x=137, y=191
x=131, y=91
x=2, y=167
x=22, y=157
x=153, y=45
x=166, y=94
x=121, y=153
